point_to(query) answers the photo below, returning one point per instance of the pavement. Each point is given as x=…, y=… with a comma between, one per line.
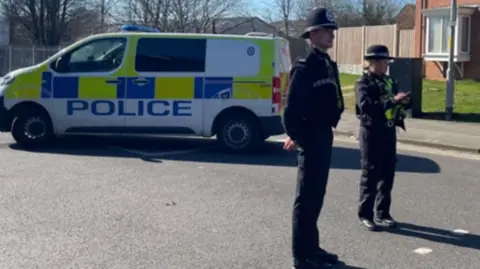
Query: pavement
x=170, y=203
x=457, y=136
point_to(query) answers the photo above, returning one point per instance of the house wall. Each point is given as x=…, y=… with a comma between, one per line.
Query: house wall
x=406, y=18
x=434, y=70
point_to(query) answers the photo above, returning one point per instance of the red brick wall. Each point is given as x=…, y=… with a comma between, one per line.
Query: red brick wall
x=406, y=18
x=433, y=70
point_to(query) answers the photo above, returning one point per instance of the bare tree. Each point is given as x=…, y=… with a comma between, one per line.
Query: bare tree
x=354, y=12
x=377, y=12
x=46, y=22
x=177, y=15
x=286, y=8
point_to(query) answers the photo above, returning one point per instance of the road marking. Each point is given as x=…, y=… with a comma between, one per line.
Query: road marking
x=460, y=231
x=423, y=251
x=159, y=154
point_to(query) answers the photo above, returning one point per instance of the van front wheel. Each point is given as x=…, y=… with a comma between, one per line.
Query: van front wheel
x=240, y=134
x=32, y=130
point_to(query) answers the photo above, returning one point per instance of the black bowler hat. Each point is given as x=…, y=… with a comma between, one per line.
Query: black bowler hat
x=319, y=18
x=377, y=52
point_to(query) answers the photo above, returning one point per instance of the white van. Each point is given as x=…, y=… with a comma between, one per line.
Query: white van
x=146, y=82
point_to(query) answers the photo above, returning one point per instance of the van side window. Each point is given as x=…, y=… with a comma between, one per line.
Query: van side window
x=170, y=55
x=101, y=55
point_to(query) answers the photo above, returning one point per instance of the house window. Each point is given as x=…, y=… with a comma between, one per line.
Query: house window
x=464, y=35
x=438, y=34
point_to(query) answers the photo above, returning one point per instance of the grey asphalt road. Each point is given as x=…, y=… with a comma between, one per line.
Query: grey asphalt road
x=100, y=203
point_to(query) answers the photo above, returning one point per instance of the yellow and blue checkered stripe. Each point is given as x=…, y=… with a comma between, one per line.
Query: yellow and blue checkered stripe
x=154, y=88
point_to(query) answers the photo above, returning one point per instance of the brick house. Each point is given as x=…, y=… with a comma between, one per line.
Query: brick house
x=405, y=18
x=432, y=37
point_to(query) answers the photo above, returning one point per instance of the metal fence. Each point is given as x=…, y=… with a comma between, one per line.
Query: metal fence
x=14, y=57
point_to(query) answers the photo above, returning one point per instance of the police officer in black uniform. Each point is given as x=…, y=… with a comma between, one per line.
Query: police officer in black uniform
x=314, y=106
x=380, y=107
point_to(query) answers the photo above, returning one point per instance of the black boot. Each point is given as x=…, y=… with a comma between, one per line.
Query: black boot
x=311, y=264
x=387, y=222
x=328, y=257
x=368, y=224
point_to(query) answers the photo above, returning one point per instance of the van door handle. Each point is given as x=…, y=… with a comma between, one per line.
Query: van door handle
x=140, y=81
x=112, y=81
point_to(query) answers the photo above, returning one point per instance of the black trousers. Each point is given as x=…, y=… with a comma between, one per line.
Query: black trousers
x=313, y=169
x=378, y=160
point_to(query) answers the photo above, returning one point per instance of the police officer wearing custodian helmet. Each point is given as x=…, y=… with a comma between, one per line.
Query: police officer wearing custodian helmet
x=314, y=105
x=380, y=107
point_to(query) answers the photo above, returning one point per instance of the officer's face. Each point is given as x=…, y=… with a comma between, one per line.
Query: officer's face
x=380, y=66
x=322, y=38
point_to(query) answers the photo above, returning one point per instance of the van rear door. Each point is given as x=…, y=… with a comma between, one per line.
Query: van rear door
x=281, y=79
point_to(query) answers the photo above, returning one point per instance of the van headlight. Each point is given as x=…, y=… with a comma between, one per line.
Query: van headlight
x=6, y=80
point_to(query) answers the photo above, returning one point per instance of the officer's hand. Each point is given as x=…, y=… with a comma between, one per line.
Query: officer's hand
x=289, y=145
x=400, y=96
x=405, y=100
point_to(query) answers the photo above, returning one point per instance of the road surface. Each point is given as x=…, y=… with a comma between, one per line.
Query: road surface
x=181, y=204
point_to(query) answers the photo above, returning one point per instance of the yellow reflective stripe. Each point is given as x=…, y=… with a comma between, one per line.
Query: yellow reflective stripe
x=96, y=88
x=174, y=87
x=252, y=88
x=389, y=114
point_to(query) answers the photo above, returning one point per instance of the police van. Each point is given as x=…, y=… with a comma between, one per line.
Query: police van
x=143, y=81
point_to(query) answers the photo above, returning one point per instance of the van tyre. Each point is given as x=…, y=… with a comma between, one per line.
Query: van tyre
x=240, y=134
x=32, y=129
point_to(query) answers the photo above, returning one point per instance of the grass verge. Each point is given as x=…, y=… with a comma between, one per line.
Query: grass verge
x=467, y=97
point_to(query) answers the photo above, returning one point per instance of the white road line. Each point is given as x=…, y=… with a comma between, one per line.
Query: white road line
x=159, y=154
x=460, y=231
x=423, y=251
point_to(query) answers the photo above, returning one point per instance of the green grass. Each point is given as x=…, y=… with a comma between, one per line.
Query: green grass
x=467, y=95
x=347, y=80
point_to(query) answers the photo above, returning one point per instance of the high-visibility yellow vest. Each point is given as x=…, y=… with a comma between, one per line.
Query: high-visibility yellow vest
x=392, y=113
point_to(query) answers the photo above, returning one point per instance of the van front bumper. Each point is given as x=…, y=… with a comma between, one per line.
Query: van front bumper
x=5, y=119
x=272, y=125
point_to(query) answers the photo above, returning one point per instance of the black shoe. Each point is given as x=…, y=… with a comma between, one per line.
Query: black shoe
x=368, y=224
x=311, y=264
x=386, y=222
x=323, y=255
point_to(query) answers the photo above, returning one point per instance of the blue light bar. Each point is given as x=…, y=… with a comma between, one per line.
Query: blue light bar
x=137, y=28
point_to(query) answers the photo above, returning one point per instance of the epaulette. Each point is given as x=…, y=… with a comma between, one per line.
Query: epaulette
x=298, y=63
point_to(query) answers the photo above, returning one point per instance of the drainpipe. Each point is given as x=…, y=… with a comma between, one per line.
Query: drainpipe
x=422, y=43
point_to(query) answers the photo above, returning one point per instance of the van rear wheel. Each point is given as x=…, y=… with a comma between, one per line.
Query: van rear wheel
x=32, y=129
x=240, y=134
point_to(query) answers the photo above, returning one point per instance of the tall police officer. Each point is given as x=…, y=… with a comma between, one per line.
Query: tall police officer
x=314, y=106
x=380, y=107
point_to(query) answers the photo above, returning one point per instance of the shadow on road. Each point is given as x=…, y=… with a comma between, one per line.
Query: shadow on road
x=346, y=266
x=437, y=235
x=271, y=154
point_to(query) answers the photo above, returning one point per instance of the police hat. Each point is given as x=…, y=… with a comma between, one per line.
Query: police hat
x=319, y=18
x=377, y=52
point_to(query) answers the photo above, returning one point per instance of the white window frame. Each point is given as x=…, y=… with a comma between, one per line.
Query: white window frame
x=469, y=35
x=444, y=19
x=459, y=55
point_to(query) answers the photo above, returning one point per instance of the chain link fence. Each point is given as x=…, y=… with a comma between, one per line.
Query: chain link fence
x=15, y=57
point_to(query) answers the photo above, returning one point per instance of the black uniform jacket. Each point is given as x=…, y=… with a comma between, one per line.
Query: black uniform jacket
x=370, y=108
x=313, y=96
